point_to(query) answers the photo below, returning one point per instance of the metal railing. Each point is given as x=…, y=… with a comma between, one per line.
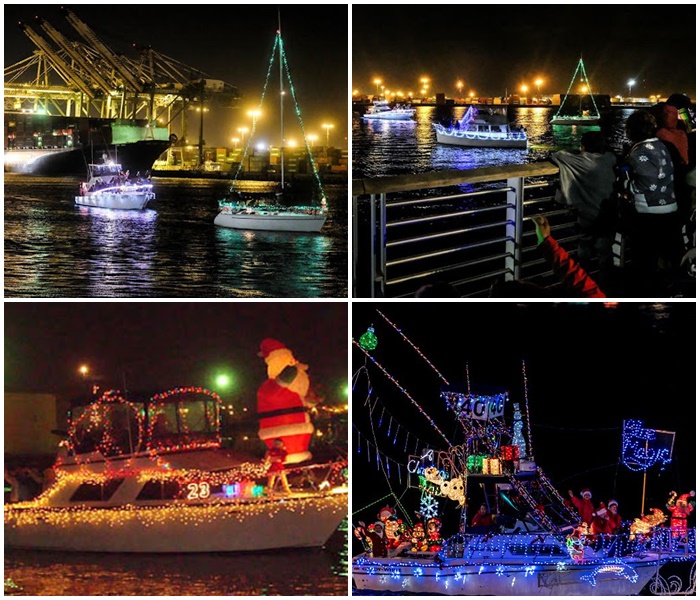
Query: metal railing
x=469, y=229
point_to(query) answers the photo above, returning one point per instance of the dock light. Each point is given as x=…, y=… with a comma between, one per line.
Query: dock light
x=312, y=138
x=523, y=89
x=242, y=131
x=84, y=370
x=377, y=82
x=328, y=127
x=291, y=143
x=261, y=146
x=538, y=83
x=254, y=114
x=631, y=83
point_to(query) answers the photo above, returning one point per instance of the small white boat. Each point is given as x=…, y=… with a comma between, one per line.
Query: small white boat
x=271, y=211
x=582, y=117
x=479, y=129
x=153, y=477
x=107, y=186
x=382, y=111
x=309, y=220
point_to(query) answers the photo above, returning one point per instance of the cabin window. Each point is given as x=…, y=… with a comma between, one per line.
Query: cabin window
x=156, y=489
x=96, y=492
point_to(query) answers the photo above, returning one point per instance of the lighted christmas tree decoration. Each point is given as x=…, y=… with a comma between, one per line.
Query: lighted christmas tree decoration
x=368, y=340
x=518, y=438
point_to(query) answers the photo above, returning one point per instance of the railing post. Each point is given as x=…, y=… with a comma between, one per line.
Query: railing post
x=355, y=249
x=382, y=245
x=372, y=244
x=514, y=226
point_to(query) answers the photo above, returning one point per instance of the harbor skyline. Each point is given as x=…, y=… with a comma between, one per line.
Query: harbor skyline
x=234, y=51
x=491, y=53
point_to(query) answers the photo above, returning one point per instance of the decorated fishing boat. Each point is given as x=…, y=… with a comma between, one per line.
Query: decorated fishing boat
x=153, y=476
x=279, y=210
x=381, y=110
x=564, y=116
x=482, y=129
x=526, y=538
x=107, y=186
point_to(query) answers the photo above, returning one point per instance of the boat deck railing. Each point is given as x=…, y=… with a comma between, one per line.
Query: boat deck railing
x=465, y=228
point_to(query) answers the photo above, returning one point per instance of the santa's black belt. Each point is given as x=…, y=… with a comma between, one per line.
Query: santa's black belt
x=281, y=412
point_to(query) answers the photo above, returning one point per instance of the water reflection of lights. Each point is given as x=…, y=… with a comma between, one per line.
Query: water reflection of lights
x=122, y=244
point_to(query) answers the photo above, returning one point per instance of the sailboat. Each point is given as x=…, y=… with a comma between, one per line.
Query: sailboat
x=583, y=117
x=270, y=209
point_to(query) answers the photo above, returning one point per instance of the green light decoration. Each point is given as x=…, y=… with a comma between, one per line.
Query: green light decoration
x=368, y=341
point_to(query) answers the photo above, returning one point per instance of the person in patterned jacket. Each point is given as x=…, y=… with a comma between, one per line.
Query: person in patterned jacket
x=654, y=230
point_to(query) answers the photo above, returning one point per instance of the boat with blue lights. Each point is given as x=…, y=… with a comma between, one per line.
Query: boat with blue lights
x=381, y=110
x=152, y=476
x=108, y=186
x=532, y=541
x=487, y=128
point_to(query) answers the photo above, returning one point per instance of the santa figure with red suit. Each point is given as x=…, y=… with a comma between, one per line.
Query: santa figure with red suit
x=599, y=522
x=283, y=401
x=583, y=505
x=680, y=509
x=614, y=520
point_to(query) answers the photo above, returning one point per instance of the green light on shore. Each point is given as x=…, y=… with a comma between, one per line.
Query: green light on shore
x=223, y=381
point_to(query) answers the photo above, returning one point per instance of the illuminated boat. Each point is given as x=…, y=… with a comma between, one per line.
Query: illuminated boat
x=382, y=111
x=479, y=129
x=535, y=546
x=153, y=477
x=107, y=186
x=581, y=117
x=275, y=211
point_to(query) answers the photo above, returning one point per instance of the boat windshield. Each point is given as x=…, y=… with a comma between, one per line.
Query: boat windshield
x=105, y=170
x=112, y=428
x=185, y=420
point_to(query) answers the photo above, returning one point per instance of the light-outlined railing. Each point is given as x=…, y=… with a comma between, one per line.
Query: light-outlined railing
x=466, y=228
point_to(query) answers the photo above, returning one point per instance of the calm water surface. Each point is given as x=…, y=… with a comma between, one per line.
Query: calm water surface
x=291, y=572
x=383, y=148
x=172, y=249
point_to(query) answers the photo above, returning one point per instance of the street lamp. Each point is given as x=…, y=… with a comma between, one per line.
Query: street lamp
x=255, y=114
x=242, y=131
x=538, y=83
x=460, y=85
x=84, y=370
x=327, y=127
x=377, y=82
x=312, y=138
x=235, y=142
x=630, y=83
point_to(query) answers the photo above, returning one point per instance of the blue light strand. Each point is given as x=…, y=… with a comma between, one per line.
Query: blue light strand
x=404, y=391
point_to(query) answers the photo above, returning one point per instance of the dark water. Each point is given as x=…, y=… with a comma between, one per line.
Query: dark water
x=173, y=249
x=395, y=148
x=287, y=573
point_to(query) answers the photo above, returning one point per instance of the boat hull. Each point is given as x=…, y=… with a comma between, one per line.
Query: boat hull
x=302, y=520
x=502, y=579
x=389, y=117
x=476, y=141
x=271, y=221
x=135, y=157
x=123, y=201
x=574, y=121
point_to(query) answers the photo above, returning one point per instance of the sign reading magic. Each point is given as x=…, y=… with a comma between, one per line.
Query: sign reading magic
x=472, y=406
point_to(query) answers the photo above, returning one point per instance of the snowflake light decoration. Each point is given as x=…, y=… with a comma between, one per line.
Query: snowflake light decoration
x=428, y=506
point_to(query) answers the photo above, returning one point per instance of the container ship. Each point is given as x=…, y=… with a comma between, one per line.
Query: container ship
x=56, y=145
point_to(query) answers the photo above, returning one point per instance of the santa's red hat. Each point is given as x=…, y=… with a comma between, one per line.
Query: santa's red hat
x=601, y=510
x=386, y=513
x=268, y=345
x=612, y=502
x=585, y=491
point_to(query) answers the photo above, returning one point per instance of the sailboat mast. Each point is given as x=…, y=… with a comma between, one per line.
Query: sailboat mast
x=279, y=33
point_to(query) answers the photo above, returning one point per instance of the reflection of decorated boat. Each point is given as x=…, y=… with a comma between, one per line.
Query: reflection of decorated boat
x=152, y=477
x=478, y=129
x=534, y=545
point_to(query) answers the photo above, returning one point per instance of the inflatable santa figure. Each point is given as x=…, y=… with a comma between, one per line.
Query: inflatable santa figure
x=283, y=401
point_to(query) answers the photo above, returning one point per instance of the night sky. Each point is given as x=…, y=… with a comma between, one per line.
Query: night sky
x=497, y=47
x=163, y=345
x=589, y=367
x=228, y=42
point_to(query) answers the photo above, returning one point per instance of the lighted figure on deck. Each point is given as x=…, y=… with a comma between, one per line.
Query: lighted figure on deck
x=283, y=401
x=377, y=539
x=276, y=457
x=482, y=518
x=680, y=509
x=418, y=541
x=645, y=525
x=614, y=520
x=599, y=524
x=584, y=505
x=434, y=539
